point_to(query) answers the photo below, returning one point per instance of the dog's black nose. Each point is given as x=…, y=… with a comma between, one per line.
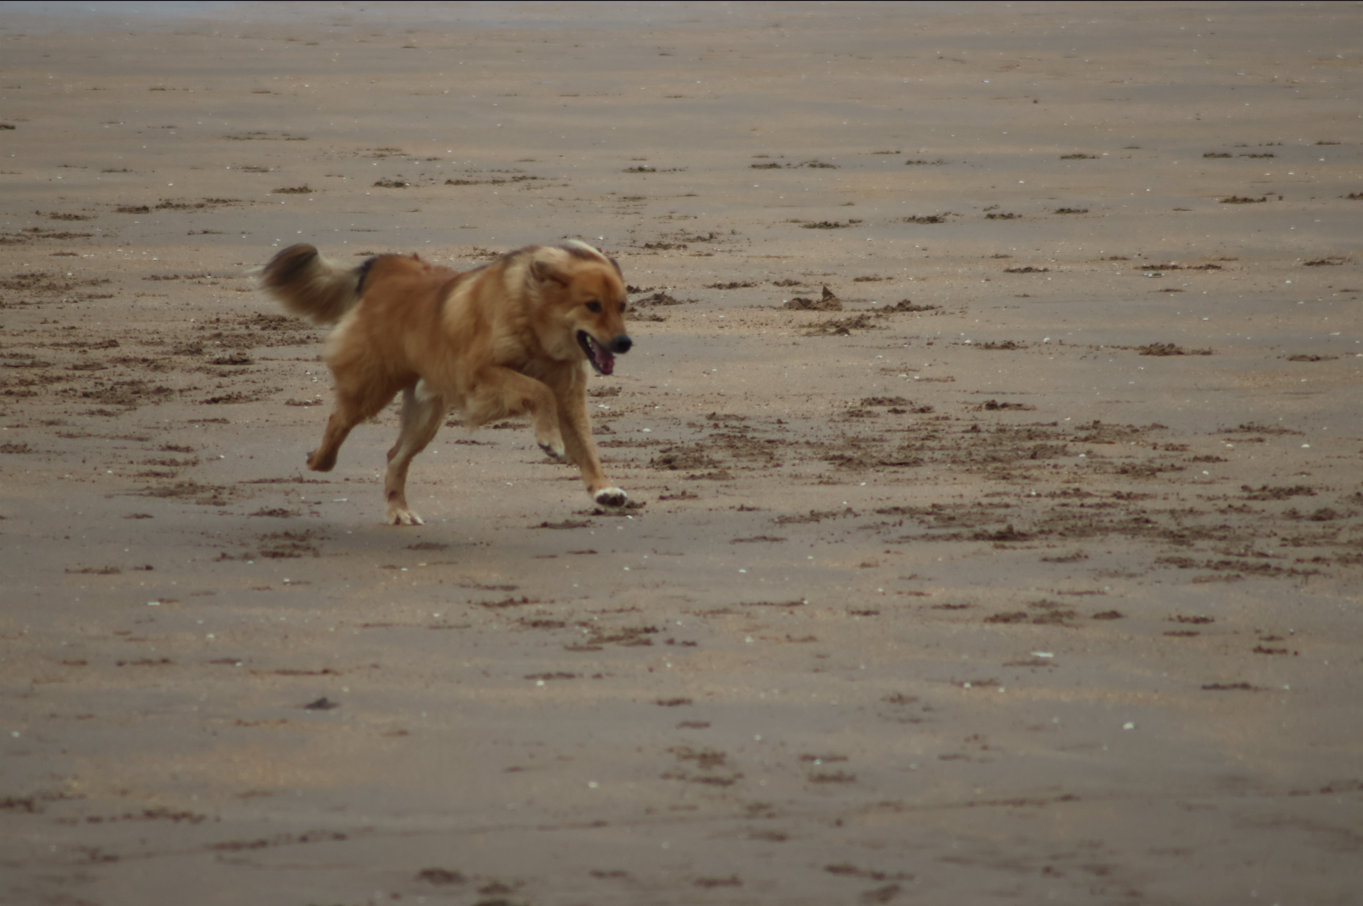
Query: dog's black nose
x=621, y=344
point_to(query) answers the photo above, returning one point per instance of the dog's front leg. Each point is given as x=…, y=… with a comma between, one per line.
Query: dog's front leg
x=423, y=411
x=497, y=392
x=576, y=427
x=547, y=433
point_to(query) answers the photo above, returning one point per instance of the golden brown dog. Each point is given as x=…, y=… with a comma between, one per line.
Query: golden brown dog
x=509, y=338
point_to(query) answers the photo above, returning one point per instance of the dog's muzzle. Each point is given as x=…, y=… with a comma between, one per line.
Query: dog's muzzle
x=601, y=356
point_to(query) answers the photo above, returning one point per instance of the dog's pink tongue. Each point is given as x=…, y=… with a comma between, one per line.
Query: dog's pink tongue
x=602, y=358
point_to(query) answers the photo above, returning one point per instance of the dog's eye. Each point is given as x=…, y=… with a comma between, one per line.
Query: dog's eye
x=594, y=307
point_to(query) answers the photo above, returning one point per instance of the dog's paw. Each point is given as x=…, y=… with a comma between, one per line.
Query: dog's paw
x=554, y=449
x=611, y=497
x=321, y=463
x=399, y=516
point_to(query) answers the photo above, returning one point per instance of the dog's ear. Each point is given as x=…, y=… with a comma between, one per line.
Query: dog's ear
x=616, y=264
x=544, y=271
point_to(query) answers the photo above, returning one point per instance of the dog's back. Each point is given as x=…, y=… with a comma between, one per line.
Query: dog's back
x=322, y=291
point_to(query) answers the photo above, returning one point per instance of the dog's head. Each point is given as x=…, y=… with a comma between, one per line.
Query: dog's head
x=584, y=303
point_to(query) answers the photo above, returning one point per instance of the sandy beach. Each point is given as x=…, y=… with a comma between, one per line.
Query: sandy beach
x=993, y=424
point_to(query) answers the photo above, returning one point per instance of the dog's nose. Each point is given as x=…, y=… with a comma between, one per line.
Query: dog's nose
x=621, y=344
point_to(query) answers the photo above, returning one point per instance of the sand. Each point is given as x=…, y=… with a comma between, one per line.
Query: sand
x=1021, y=561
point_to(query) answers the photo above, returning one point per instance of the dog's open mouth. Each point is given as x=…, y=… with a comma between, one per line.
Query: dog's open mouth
x=601, y=358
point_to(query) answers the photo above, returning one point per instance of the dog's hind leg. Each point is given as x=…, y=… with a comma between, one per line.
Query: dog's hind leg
x=323, y=459
x=423, y=412
x=358, y=397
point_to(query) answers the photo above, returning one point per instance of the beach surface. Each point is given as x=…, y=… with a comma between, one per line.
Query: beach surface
x=993, y=427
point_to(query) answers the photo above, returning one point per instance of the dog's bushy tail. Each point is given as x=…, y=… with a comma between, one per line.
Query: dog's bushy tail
x=310, y=286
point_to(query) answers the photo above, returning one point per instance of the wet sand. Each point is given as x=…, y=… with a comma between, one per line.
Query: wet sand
x=994, y=421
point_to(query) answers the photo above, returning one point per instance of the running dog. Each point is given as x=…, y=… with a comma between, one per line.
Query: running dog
x=510, y=338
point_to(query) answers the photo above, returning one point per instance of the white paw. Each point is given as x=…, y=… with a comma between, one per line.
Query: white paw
x=403, y=517
x=554, y=450
x=611, y=497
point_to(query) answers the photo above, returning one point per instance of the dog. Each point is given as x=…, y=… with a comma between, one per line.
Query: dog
x=512, y=337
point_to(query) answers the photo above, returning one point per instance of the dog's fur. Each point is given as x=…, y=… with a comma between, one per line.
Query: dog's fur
x=510, y=338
